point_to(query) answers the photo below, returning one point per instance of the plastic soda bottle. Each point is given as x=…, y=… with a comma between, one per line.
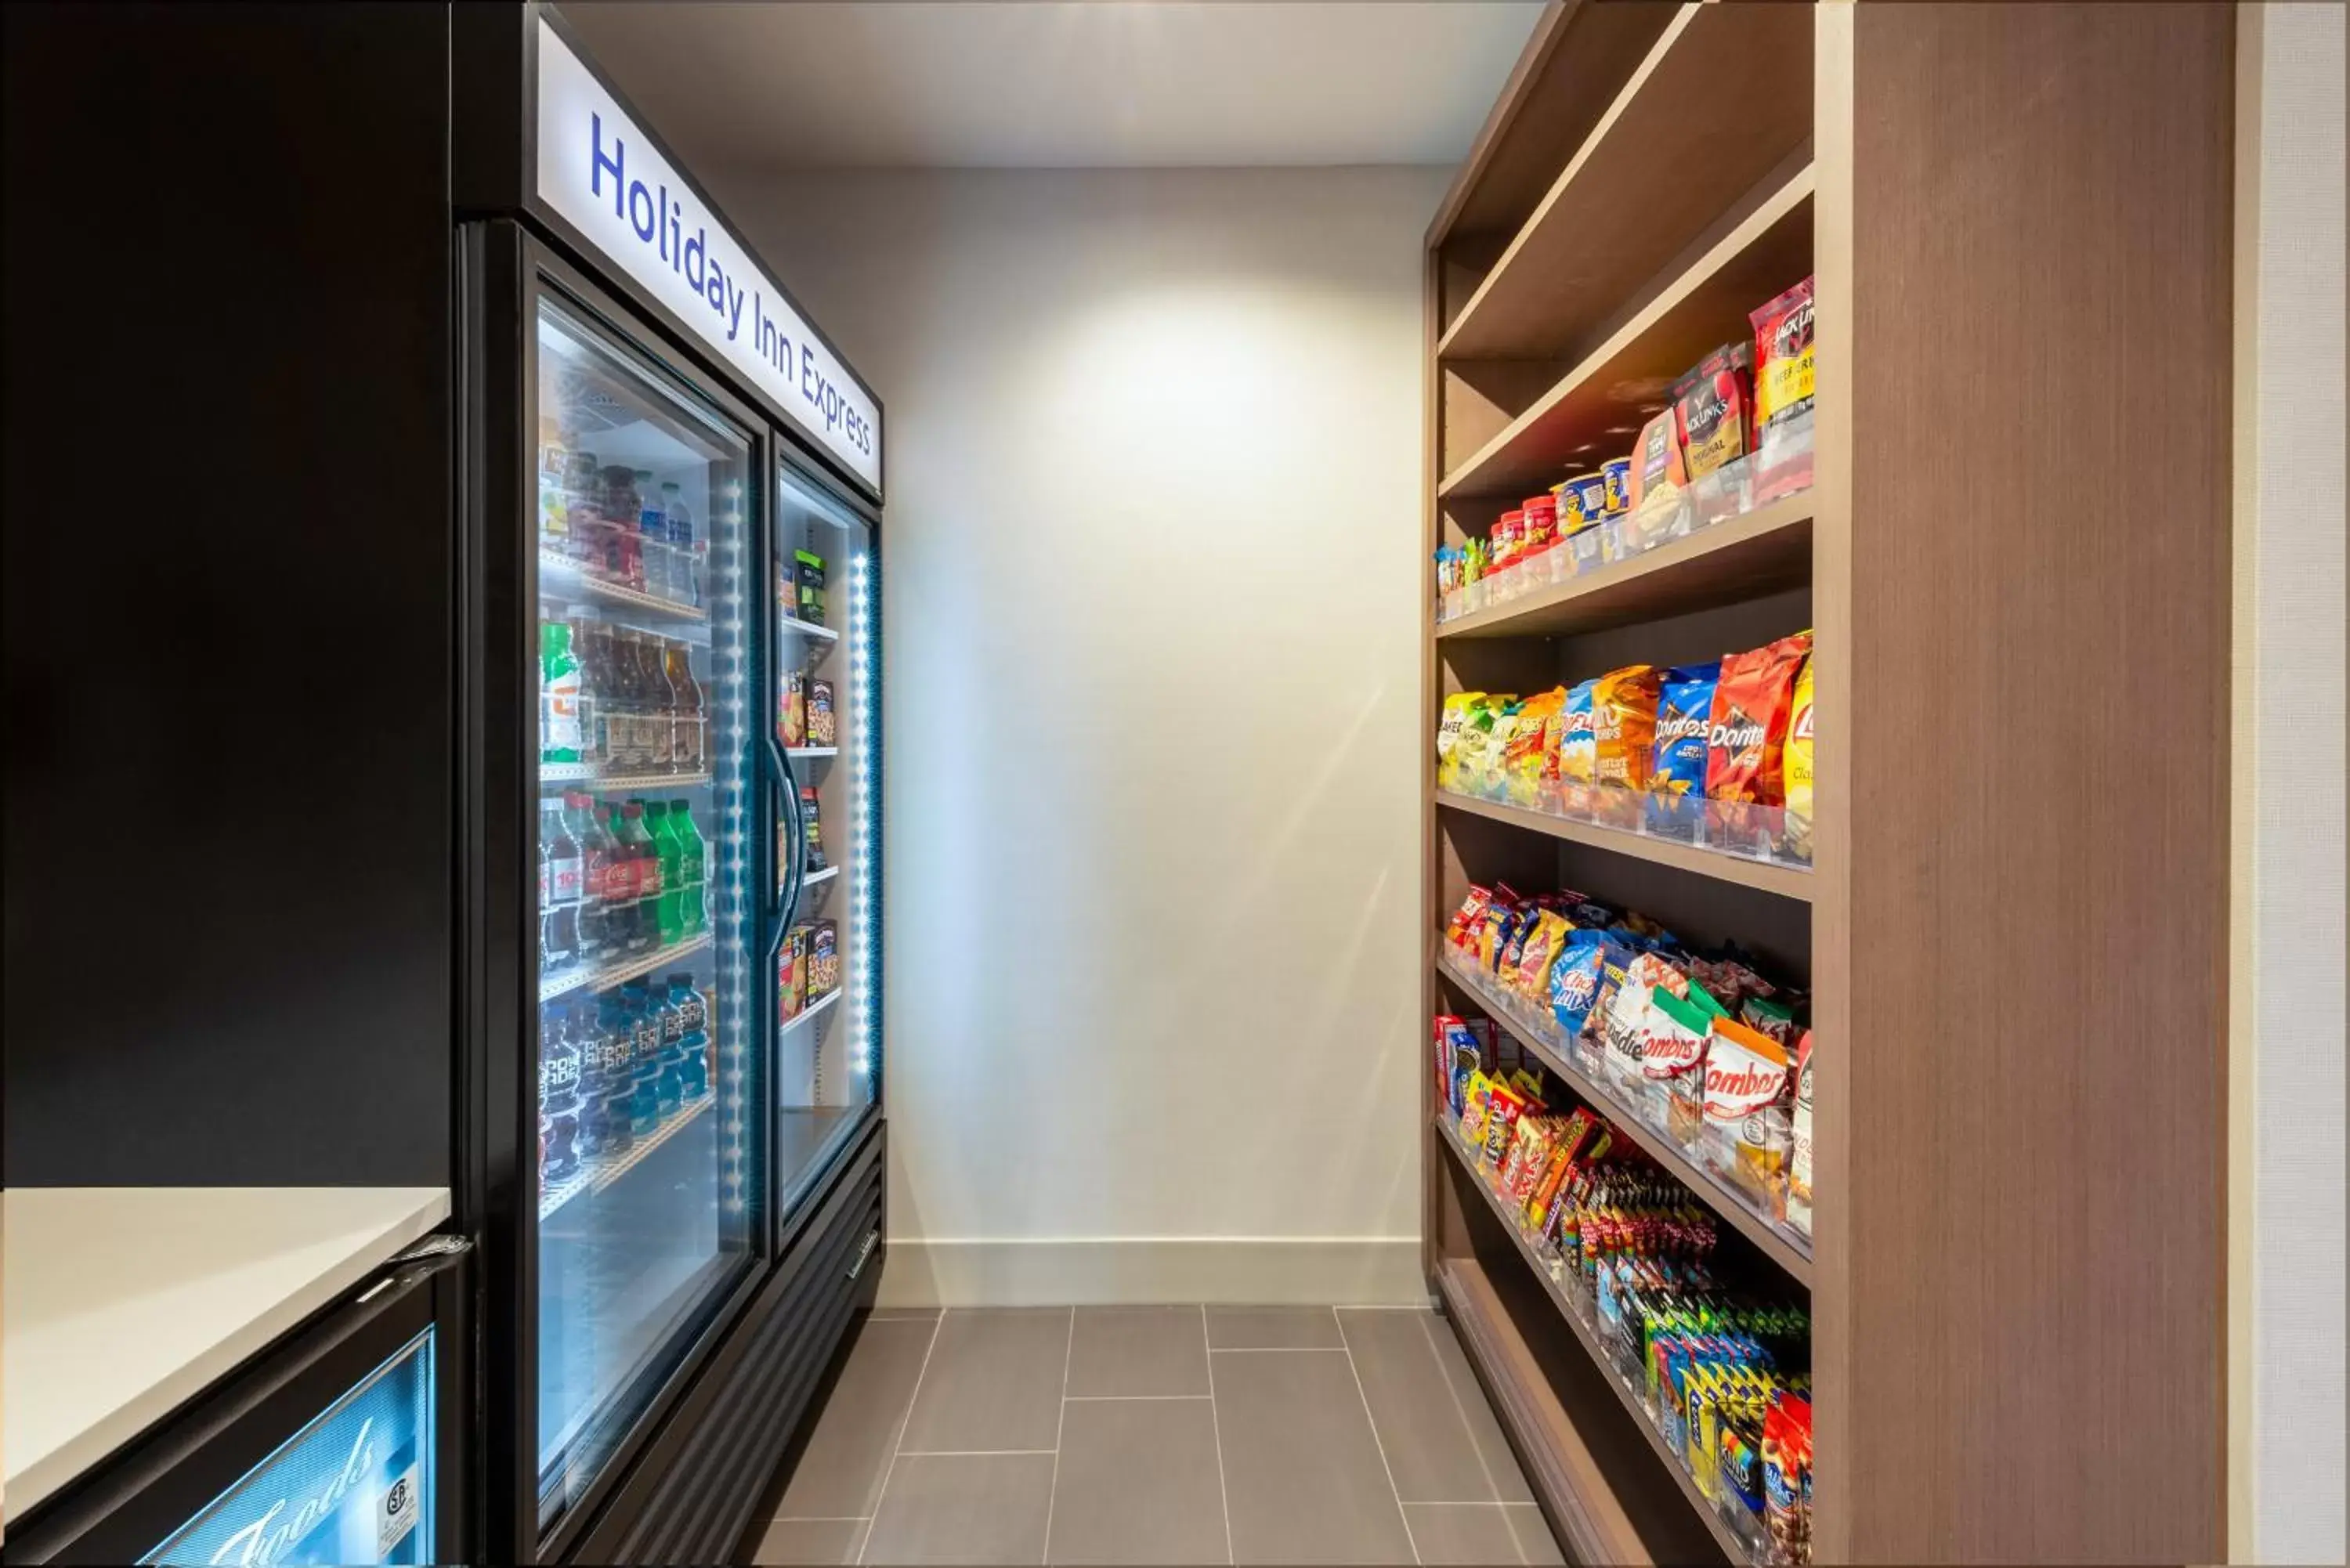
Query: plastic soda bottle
x=646, y=857
x=559, y=902
x=631, y=870
x=559, y=738
x=693, y=865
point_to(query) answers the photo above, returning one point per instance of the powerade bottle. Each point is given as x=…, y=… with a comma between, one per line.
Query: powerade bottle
x=669, y=1088
x=558, y=1094
x=644, y=1060
x=613, y=1032
x=694, y=1036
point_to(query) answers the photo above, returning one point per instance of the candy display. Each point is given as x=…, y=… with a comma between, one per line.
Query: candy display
x=1735, y=435
x=1694, y=1044
x=1717, y=754
x=1721, y=1372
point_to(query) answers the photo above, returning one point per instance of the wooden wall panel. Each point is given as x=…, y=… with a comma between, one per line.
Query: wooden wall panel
x=2037, y=715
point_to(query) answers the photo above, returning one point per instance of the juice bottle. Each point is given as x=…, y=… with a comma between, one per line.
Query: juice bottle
x=693, y=861
x=690, y=743
x=665, y=907
x=658, y=724
x=558, y=701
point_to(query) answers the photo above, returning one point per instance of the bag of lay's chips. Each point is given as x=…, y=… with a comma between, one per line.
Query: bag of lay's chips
x=1477, y=747
x=1576, y=755
x=1796, y=765
x=1448, y=735
x=1522, y=760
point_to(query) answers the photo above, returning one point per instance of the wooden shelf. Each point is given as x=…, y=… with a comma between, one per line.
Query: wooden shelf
x=1633, y=1404
x=1784, y=880
x=1722, y=96
x=1594, y=412
x=1768, y=549
x=1791, y=1255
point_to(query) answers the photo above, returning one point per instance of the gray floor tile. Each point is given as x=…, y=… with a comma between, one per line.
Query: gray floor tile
x=1501, y=1463
x=1414, y=1409
x=1476, y=1534
x=994, y=1383
x=803, y=1541
x=1125, y=1352
x=1535, y=1539
x=964, y=1508
x=908, y=1315
x=1303, y=1477
x=1138, y=1483
x=1272, y=1328
x=839, y=1474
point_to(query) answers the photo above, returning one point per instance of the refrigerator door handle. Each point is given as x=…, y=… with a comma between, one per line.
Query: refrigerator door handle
x=779, y=771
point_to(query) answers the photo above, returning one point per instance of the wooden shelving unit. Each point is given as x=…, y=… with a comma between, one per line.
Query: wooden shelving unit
x=2020, y=703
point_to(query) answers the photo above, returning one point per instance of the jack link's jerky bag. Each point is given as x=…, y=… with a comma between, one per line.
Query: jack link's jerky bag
x=1752, y=702
x=1783, y=362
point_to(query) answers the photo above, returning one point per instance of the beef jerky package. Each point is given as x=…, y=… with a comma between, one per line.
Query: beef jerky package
x=1753, y=704
x=1714, y=406
x=1783, y=362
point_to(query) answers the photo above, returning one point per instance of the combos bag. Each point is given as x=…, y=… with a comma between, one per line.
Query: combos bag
x=1624, y=727
x=1796, y=766
x=1749, y=1096
x=1799, y=1152
x=1672, y=1063
x=1783, y=358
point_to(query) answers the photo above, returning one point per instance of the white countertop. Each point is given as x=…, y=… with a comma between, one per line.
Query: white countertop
x=121, y=1302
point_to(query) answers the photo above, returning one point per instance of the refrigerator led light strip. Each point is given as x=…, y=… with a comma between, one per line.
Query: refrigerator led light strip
x=725, y=568
x=868, y=748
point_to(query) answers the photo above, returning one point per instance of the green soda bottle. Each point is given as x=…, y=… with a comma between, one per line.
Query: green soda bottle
x=666, y=909
x=691, y=858
x=559, y=735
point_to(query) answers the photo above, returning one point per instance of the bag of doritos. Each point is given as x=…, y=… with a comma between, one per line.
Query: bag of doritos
x=1752, y=703
x=1675, y=807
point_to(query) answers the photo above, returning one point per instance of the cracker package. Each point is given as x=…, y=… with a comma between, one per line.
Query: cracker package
x=1783, y=365
x=1624, y=727
x=1796, y=765
x=1672, y=1065
x=1752, y=703
x=1750, y=1096
x=1714, y=406
x=1799, y=1152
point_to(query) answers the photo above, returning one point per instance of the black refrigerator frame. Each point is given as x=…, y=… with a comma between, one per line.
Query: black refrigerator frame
x=735, y=1397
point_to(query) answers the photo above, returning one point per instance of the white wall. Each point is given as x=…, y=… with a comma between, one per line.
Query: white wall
x=1153, y=606
x=2286, y=980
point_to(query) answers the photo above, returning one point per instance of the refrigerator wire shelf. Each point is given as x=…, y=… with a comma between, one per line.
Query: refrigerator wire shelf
x=560, y=572
x=810, y=1011
x=552, y=774
x=594, y=1174
x=813, y=752
x=605, y=977
x=817, y=879
x=809, y=629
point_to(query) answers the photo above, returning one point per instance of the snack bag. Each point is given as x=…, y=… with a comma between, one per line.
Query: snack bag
x=1449, y=720
x=1624, y=727
x=1575, y=980
x=1466, y=920
x=1538, y=955
x=1629, y=1022
x=1672, y=1063
x=1784, y=363
x=1748, y=1113
x=1799, y=1154
x=1657, y=472
x=1752, y=706
x=1529, y=1158
x=1576, y=755
x=1474, y=1105
x=1786, y=1478
x=1766, y=1016
x=1684, y=715
x=1503, y=1106
x=1713, y=409
x=1522, y=760
x=1796, y=766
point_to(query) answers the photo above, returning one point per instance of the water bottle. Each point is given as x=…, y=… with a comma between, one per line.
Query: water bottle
x=652, y=539
x=683, y=579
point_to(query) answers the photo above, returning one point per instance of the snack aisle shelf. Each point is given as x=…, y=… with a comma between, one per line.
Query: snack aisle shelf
x=1634, y=1406
x=1767, y=548
x=1617, y=262
x=1791, y=1252
x=1786, y=881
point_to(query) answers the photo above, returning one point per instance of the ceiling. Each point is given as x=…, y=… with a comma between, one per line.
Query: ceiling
x=1077, y=84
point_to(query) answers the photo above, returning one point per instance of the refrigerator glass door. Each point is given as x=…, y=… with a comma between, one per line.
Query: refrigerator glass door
x=827, y=660
x=355, y=1484
x=650, y=1114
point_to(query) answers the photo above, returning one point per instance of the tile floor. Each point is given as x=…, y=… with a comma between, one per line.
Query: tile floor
x=1160, y=1435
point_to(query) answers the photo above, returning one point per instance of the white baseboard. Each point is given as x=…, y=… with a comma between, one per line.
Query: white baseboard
x=1378, y=1271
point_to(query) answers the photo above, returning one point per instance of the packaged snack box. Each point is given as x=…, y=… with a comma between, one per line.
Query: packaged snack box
x=824, y=959
x=821, y=728
x=791, y=965
x=795, y=713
